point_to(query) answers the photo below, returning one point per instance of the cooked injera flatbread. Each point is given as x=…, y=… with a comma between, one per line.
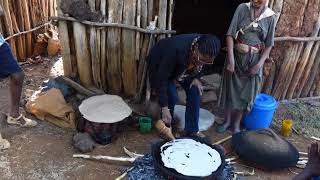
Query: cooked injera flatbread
x=104, y=109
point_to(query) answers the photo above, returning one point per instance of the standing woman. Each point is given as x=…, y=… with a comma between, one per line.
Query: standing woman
x=249, y=41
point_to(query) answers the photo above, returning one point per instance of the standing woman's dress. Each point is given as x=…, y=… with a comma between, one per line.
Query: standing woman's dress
x=238, y=90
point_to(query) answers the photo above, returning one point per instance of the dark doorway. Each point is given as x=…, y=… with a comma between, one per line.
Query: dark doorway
x=205, y=16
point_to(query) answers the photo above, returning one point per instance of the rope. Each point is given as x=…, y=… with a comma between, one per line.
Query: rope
x=28, y=31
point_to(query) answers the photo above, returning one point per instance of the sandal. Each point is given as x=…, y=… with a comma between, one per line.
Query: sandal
x=17, y=121
x=221, y=129
x=4, y=144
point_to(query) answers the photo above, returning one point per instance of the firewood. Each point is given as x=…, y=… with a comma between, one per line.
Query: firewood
x=317, y=88
x=20, y=20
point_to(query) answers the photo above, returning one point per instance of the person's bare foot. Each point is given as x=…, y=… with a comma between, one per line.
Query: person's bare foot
x=236, y=128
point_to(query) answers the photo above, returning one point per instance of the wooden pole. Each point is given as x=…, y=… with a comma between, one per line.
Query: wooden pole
x=129, y=68
x=292, y=69
x=171, y=8
x=82, y=54
x=144, y=13
x=20, y=20
x=303, y=61
x=95, y=60
x=138, y=22
x=113, y=47
x=27, y=26
x=317, y=88
x=283, y=70
x=65, y=45
x=8, y=25
x=313, y=73
x=150, y=10
x=163, y=5
x=307, y=70
x=104, y=67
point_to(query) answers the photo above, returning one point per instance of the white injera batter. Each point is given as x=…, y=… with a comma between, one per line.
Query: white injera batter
x=190, y=158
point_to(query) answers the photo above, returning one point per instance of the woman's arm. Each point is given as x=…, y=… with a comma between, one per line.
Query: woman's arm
x=230, y=54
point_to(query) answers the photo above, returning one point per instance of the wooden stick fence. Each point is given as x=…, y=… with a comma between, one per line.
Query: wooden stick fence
x=22, y=21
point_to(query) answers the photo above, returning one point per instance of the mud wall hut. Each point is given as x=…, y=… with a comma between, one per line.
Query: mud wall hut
x=106, y=45
x=23, y=21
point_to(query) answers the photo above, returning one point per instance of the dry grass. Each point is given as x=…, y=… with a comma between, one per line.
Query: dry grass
x=306, y=116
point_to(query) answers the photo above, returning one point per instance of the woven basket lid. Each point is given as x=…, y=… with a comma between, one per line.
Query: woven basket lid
x=104, y=109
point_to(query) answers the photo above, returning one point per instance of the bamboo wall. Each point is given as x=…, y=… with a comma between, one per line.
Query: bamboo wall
x=24, y=15
x=112, y=59
x=295, y=70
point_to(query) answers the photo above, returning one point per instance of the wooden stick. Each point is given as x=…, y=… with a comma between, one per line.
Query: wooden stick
x=297, y=39
x=315, y=138
x=8, y=25
x=144, y=13
x=307, y=71
x=115, y=25
x=95, y=60
x=317, y=88
x=80, y=89
x=303, y=61
x=103, y=49
x=128, y=42
x=171, y=8
x=28, y=31
x=20, y=18
x=313, y=74
x=65, y=44
x=138, y=22
x=119, y=159
x=150, y=10
x=284, y=68
x=163, y=5
x=82, y=54
x=222, y=140
x=124, y=174
x=287, y=101
x=27, y=26
x=293, y=66
x=114, y=47
x=132, y=154
x=303, y=153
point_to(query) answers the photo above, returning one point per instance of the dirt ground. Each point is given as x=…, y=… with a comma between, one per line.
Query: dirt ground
x=45, y=152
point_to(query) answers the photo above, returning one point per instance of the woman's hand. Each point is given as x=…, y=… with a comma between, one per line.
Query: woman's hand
x=198, y=84
x=166, y=116
x=230, y=67
x=255, y=69
x=313, y=166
